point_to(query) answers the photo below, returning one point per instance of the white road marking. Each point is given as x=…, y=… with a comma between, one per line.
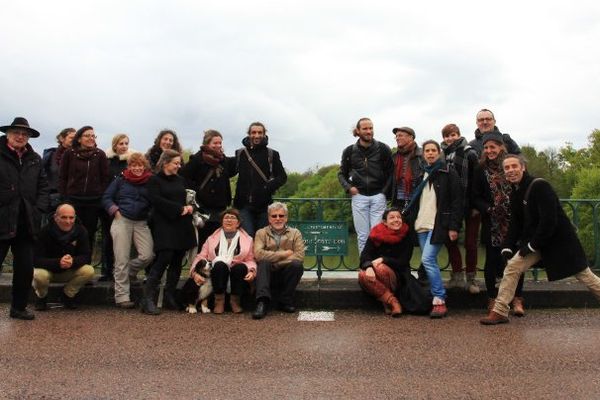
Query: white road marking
x=316, y=316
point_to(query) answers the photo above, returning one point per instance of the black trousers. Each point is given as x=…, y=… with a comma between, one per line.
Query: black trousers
x=22, y=251
x=166, y=258
x=221, y=274
x=283, y=280
x=494, y=267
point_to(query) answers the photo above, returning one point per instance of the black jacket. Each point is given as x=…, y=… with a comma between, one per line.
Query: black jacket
x=544, y=225
x=369, y=169
x=449, y=204
x=23, y=191
x=511, y=146
x=396, y=256
x=216, y=193
x=416, y=165
x=464, y=159
x=252, y=190
x=170, y=230
x=49, y=250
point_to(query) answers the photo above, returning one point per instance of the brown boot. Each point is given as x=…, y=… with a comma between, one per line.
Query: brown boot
x=494, y=318
x=219, y=304
x=390, y=302
x=518, y=308
x=234, y=302
x=491, y=304
x=395, y=307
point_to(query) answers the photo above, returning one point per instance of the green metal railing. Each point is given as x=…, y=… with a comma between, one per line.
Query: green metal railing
x=585, y=215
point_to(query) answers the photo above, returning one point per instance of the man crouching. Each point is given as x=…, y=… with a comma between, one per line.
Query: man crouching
x=62, y=254
x=539, y=231
x=279, y=251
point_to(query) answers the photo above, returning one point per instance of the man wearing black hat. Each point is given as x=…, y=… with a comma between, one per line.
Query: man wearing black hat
x=486, y=123
x=23, y=199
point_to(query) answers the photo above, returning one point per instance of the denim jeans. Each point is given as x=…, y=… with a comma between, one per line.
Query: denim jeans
x=366, y=213
x=429, y=260
x=253, y=220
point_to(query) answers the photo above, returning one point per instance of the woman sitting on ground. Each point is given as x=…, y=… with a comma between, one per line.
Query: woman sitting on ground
x=230, y=249
x=384, y=260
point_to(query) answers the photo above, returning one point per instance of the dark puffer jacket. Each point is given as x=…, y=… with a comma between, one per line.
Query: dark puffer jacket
x=252, y=190
x=132, y=201
x=369, y=169
x=23, y=191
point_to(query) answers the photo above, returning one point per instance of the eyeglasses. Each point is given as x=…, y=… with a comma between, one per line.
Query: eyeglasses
x=485, y=119
x=230, y=217
x=277, y=215
x=88, y=136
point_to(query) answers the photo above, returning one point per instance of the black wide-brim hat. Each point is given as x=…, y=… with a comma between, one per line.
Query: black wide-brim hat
x=20, y=123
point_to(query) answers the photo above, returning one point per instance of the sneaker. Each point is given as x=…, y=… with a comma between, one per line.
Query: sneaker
x=472, y=286
x=438, y=311
x=457, y=280
x=21, y=314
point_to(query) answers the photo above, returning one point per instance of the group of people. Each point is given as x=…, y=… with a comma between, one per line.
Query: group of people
x=152, y=204
x=161, y=208
x=434, y=191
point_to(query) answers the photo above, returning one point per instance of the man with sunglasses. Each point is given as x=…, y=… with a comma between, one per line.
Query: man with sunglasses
x=279, y=253
x=486, y=123
x=23, y=200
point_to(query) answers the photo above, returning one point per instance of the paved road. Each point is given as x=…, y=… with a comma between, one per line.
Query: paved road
x=100, y=353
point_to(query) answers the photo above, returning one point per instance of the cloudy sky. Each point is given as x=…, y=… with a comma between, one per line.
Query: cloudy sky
x=308, y=69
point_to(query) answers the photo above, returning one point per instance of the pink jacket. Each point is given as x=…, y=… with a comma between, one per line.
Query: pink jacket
x=246, y=255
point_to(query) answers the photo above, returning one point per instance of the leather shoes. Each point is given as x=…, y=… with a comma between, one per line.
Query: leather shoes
x=287, y=308
x=69, y=302
x=40, y=303
x=21, y=314
x=260, y=311
x=494, y=318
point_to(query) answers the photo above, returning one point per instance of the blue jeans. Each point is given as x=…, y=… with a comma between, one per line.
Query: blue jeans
x=366, y=213
x=429, y=260
x=253, y=220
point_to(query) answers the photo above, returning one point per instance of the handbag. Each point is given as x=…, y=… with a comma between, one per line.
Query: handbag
x=412, y=296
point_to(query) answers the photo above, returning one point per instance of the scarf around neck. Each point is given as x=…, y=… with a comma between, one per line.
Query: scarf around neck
x=136, y=180
x=227, y=251
x=210, y=156
x=381, y=234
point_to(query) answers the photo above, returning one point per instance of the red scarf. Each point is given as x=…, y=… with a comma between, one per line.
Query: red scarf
x=136, y=180
x=404, y=155
x=382, y=234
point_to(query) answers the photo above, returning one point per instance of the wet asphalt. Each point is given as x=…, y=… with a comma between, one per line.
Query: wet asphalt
x=105, y=353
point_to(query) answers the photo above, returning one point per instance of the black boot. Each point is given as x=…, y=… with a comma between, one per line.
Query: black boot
x=148, y=305
x=170, y=300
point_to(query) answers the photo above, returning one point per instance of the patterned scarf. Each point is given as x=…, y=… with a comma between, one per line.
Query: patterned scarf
x=500, y=189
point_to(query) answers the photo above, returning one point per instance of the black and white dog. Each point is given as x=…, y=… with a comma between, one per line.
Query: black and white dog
x=193, y=293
